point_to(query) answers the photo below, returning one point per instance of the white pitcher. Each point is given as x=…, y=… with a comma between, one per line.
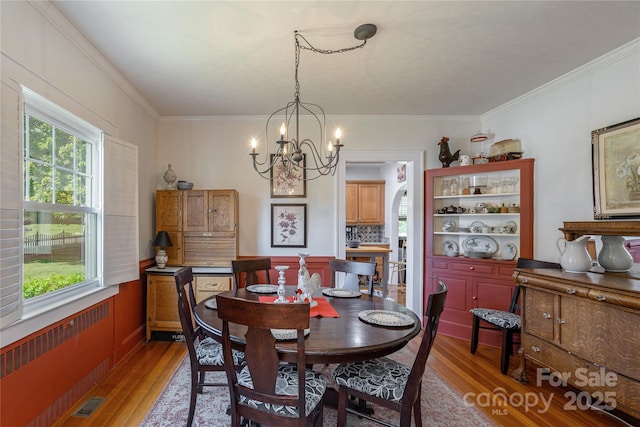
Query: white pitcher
x=614, y=256
x=574, y=256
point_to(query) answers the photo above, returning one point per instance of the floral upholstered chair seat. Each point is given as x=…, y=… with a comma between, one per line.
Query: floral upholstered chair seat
x=209, y=352
x=287, y=384
x=382, y=377
x=502, y=319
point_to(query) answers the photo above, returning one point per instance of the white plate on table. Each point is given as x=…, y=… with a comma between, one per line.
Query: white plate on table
x=386, y=318
x=211, y=303
x=263, y=289
x=341, y=293
x=287, y=334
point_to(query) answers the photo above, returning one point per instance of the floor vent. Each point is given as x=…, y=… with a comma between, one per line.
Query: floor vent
x=89, y=407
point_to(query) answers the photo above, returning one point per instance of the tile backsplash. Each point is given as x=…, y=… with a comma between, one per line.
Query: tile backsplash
x=366, y=233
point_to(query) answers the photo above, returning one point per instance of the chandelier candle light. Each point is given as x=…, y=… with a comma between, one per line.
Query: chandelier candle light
x=289, y=153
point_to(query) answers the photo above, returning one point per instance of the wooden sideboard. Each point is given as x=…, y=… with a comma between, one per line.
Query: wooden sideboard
x=585, y=326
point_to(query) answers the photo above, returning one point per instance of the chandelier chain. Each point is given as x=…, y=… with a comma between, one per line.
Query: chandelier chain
x=310, y=47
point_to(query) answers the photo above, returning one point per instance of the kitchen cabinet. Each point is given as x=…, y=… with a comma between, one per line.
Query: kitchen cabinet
x=585, y=326
x=474, y=235
x=365, y=202
x=162, y=297
x=202, y=224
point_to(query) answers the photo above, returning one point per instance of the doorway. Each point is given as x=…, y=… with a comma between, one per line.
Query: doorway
x=415, y=218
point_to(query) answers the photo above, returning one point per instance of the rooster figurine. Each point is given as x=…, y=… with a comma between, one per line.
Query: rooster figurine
x=445, y=155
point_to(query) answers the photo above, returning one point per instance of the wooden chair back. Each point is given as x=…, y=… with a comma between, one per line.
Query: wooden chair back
x=357, y=268
x=261, y=356
x=246, y=271
x=435, y=306
x=186, y=305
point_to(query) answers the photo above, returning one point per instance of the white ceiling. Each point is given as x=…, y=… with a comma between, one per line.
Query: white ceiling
x=202, y=58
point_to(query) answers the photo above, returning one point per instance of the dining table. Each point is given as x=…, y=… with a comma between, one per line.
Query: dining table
x=338, y=332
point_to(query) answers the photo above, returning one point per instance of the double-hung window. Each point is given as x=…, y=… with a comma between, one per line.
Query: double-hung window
x=62, y=216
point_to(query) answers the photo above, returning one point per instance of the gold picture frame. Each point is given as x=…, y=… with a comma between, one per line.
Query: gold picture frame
x=616, y=170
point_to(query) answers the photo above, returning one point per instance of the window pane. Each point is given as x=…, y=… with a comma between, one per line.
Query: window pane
x=39, y=184
x=83, y=156
x=40, y=140
x=64, y=150
x=81, y=190
x=56, y=245
x=64, y=187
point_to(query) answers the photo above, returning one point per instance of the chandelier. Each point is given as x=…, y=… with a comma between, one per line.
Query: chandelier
x=297, y=156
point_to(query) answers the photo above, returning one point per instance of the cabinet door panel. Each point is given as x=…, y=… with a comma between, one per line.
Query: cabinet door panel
x=539, y=313
x=195, y=215
x=491, y=293
x=169, y=210
x=351, y=193
x=175, y=252
x=602, y=334
x=222, y=210
x=371, y=209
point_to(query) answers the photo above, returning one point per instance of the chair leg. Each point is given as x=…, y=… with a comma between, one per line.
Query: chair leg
x=194, y=396
x=417, y=408
x=475, y=329
x=507, y=344
x=342, y=406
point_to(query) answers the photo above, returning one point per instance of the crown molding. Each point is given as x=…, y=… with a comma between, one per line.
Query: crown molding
x=624, y=51
x=59, y=22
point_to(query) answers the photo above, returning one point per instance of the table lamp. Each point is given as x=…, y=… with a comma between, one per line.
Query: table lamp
x=162, y=241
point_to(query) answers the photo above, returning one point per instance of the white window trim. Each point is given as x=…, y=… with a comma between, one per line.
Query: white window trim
x=77, y=298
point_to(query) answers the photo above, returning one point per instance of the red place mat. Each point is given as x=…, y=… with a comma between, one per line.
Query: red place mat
x=323, y=309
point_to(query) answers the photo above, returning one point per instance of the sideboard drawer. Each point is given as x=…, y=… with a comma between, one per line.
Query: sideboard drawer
x=207, y=286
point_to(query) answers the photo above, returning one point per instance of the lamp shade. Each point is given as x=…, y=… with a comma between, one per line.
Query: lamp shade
x=162, y=240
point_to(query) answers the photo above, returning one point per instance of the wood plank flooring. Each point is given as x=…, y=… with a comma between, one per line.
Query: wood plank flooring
x=132, y=387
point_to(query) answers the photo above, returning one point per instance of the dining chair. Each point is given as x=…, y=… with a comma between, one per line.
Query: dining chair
x=205, y=353
x=266, y=391
x=352, y=270
x=245, y=271
x=508, y=322
x=399, y=267
x=388, y=383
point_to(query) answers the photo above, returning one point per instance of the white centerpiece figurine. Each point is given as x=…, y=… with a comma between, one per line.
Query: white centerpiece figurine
x=307, y=285
x=281, y=281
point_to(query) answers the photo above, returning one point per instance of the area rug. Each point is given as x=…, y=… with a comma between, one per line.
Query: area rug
x=441, y=405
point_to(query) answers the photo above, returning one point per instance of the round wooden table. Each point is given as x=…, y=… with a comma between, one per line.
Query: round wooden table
x=331, y=340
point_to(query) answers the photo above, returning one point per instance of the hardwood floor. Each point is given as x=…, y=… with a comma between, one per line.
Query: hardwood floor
x=132, y=387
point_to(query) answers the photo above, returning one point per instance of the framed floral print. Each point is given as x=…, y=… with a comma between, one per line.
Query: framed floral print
x=616, y=170
x=288, y=225
x=288, y=179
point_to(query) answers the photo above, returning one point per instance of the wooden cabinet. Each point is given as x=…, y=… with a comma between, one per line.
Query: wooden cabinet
x=162, y=297
x=472, y=283
x=202, y=224
x=169, y=219
x=212, y=211
x=365, y=202
x=472, y=223
x=585, y=326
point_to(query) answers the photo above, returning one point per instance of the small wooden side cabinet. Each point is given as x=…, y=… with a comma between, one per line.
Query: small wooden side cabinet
x=162, y=298
x=585, y=327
